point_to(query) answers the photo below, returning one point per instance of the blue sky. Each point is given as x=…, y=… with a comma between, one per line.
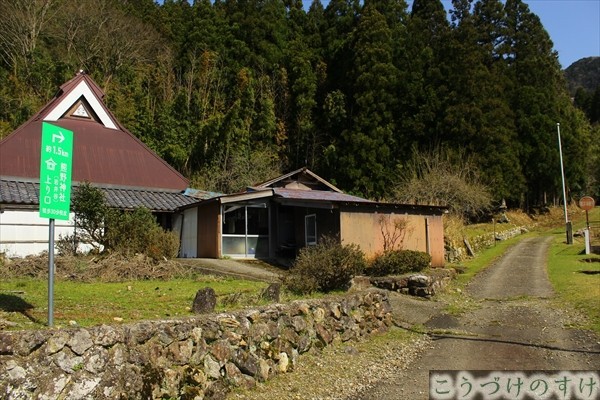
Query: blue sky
x=573, y=25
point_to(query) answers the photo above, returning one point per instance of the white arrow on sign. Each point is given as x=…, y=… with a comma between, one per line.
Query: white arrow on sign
x=59, y=136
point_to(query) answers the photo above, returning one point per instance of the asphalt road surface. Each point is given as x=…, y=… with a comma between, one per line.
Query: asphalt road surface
x=514, y=327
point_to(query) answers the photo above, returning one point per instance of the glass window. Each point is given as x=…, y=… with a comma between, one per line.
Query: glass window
x=258, y=221
x=234, y=245
x=245, y=230
x=258, y=246
x=234, y=220
x=310, y=222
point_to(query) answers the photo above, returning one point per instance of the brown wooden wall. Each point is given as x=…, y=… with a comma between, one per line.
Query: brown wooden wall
x=209, y=230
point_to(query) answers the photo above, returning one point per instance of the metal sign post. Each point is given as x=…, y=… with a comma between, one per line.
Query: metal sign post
x=51, y=273
x=56, y=164
x=587, y=203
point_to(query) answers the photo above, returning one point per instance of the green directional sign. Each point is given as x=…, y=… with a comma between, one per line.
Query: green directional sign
x=55, y=172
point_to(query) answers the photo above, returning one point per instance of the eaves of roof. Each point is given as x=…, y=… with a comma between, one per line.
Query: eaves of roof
x=317, y=195
x=26, y=193
x=321, y=198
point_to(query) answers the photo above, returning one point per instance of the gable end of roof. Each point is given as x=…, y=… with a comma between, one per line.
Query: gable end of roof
x=68, y=99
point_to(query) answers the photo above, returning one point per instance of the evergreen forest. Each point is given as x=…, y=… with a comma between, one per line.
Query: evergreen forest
x=233, y=92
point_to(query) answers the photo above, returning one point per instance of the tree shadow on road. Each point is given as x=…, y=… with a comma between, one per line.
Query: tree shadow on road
x=435, y=336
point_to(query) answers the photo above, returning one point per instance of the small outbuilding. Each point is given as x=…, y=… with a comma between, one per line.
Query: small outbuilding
x=274, y=219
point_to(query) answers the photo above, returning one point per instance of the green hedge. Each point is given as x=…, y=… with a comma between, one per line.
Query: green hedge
x=397, y=262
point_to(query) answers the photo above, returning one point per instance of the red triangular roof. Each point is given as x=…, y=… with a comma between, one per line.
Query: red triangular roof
x=104, y=152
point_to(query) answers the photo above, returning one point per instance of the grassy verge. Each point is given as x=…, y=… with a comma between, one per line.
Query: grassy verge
x=25, y=301
x=576, y=276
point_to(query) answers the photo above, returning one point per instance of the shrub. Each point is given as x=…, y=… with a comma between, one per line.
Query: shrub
x=91, y=210
x=67, y=245
x=396, y=262
x=125, y=232
x=133, y=232
x=162, y=244
x=327, y=266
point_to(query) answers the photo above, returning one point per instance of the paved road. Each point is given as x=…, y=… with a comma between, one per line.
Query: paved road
x=514, y=327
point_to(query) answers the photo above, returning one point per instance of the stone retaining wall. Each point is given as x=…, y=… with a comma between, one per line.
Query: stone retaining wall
x=459, y=252
x=488, y=240
x=416, y=284
x=191, y=358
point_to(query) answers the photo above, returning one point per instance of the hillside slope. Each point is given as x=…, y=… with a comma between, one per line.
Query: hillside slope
x=584, y=73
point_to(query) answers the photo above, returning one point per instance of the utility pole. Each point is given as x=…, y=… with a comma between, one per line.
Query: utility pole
x=568, y=226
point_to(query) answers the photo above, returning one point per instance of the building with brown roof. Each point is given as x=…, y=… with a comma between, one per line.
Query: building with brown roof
x=104, y=153
x=275, y=219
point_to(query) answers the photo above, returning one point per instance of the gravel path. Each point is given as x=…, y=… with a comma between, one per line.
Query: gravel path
x=516, y=327
x=521, y=272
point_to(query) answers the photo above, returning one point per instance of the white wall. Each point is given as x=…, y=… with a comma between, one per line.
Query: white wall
x=24, y=233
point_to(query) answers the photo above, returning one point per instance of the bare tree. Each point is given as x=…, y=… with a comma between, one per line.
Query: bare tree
x=242, y=170
x=21, y=24
x=104, y=39
x=393, y=231
x=443, y=179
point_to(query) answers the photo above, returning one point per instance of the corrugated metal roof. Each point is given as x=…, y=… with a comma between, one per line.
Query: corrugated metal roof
x=201, y=194
x=25, y=193
x=318, y=195
x=101, y=155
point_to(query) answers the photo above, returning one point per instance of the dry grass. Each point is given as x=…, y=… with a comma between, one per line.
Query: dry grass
x=111, y=268
x=454, y=230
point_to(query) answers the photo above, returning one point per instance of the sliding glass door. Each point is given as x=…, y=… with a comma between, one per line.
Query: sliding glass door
x=245, y=230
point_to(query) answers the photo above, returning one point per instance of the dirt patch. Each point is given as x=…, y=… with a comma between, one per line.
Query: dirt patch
x=443, y=321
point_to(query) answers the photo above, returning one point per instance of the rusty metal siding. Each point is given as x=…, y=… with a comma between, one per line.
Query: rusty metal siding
x=100, y=155
x=364, y=228
x=209, y=230
x=436, y=241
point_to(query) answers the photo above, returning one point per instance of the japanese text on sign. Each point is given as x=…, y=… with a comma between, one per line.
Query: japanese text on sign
x=55, y=172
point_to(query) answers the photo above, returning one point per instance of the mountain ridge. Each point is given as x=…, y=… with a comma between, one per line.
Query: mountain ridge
x=583, y=73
